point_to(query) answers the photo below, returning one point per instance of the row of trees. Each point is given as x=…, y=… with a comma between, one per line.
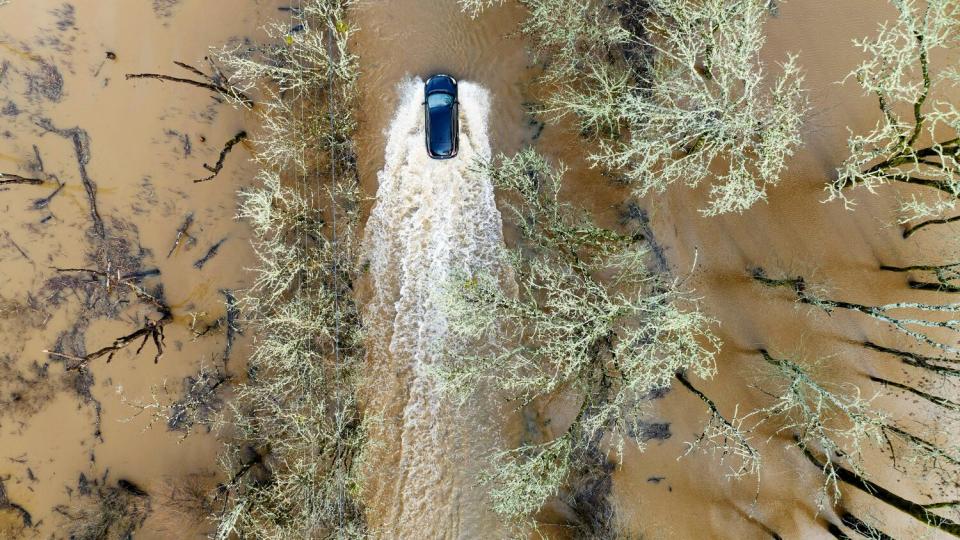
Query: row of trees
x=675, y=92
x=296, y=431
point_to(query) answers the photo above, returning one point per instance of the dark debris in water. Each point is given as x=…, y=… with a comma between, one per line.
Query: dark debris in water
x=647, y=431
x=10, y=109
x=7, y=505
x=632, y=215
x=184, y=145
x=164, y=8
x=200, y=401
x=588, y=498
x=44, y=82
x=66, y=16
x=211, y=253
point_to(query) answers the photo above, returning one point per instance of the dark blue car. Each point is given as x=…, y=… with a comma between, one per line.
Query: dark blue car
x=440, y=111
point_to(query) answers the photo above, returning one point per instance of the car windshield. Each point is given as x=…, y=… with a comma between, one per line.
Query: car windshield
x=438, y=100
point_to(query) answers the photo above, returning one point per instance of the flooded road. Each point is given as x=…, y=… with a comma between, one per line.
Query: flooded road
x=794, y=233
x=433, y=220
x=116, y=159
x=418, y=38
x=430, y=219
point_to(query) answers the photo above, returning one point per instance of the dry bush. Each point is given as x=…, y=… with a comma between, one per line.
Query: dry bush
x=672, y=93
x=296, y=430
x=588, y=319
x=106, y=512
x=183, y=505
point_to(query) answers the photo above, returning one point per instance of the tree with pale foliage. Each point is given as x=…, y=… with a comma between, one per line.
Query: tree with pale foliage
x=680, y=97
x=701, y=106
x=585, y=319
x=834, y=424
x=292, y=463
x=835, y=420
x=915, y=141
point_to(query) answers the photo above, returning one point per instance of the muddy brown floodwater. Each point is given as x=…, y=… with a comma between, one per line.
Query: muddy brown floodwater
x=132, y=148
x=117, y=158
x=656, y=494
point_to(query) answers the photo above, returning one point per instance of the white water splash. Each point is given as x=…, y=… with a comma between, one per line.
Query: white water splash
x=432, y=218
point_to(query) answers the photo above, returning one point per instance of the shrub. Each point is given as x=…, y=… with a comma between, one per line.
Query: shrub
x=920, y=148
x=297, y=429
x=675, y=92
x=587, y=318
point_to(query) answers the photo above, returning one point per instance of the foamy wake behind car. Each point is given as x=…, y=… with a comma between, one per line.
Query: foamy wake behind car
x=441, y=116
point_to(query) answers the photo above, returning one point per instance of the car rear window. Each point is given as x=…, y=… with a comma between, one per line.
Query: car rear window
x=439, y=100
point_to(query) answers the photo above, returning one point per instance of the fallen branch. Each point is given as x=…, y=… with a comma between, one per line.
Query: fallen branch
x=863, y=528
x=919, y=512
x=13, y=242
x=150, y=330
x=112, y=278
x=209, y=255
x=7, y=504
x=7, y=178
x=917, y=360
x=233, y=313
x=210, y=84
x=181, y=232
x=43, y=202
x=883, y=313
x=936, y=400
x=81, y=147
x=907, y=232
x=161, y=77
x=241, y=136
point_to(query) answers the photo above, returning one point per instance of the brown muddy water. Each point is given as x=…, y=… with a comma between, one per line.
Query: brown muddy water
x=132, y=148
x=655, y=494
x=63, y=437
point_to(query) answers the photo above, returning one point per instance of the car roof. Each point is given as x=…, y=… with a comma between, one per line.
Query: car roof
x=441, y=130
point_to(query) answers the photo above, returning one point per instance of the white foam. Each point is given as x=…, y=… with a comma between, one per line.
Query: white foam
x=431, y=218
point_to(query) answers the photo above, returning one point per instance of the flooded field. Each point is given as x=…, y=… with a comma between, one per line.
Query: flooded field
x=109, y=242
x=116, y=160
x=795, y=232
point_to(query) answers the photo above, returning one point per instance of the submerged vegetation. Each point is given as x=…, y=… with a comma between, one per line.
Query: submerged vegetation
x=296, y=430
x=672, y=92
x=920, y=147
x=588, y=320
x=582, y=325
